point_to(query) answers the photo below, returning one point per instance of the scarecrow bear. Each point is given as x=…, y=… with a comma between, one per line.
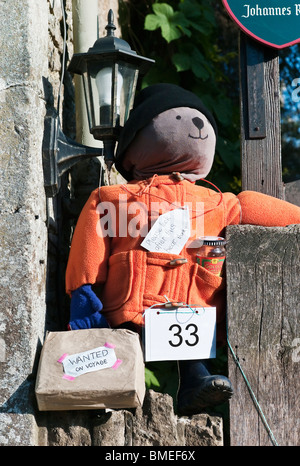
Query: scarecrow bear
x=167, y=144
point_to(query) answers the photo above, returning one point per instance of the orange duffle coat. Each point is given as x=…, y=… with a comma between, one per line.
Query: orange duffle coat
x=106, y=246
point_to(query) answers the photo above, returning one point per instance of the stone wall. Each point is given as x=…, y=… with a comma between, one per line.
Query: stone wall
x=155, y=424
x=23, y=229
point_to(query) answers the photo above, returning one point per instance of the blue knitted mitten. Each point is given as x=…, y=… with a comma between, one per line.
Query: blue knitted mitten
x=85, y=310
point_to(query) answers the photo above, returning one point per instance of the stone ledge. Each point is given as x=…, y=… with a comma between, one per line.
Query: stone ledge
x=154, y=424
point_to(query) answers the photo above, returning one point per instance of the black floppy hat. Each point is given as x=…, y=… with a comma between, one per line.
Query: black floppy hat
x=149, y=103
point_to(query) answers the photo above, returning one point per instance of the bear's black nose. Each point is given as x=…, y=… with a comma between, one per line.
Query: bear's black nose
x=198, y=122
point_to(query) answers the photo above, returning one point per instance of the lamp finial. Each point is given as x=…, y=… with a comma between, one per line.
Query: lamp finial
x=110, y=26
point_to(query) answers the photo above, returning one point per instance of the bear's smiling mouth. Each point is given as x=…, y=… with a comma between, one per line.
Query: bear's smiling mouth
x=198, y=137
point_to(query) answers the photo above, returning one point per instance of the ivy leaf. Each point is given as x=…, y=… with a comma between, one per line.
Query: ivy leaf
x=152, y=22
x=163, y=9
x=190, y=58
x=181, y=61
x=165, y=18
x=200, y=17
x=150, y=379
x=162, y=376
x=199, y=65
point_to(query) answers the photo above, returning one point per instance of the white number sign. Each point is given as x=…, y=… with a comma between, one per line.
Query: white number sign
x=181, y=333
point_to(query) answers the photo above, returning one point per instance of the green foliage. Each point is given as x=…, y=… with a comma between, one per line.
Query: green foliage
x=186, y=39
x=175, y=24
x=162, y=376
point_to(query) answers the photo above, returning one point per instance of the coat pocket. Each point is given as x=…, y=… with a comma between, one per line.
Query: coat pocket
x=204, y=287
x=118, y=286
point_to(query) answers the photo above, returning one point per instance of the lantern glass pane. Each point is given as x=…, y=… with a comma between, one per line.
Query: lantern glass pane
x=109, y=93
x=89, y=101
x=129, y=75
x=98, y=93
x=116, y=84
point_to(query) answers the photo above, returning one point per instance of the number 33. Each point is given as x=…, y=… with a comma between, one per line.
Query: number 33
x=180, y=338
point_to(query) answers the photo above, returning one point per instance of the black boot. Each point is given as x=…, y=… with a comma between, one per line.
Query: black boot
x=198, y=389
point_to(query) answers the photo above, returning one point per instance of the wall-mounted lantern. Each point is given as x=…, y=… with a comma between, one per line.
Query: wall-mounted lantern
x=109, y=71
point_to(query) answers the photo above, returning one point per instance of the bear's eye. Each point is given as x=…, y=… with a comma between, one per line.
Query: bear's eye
x=178, y=117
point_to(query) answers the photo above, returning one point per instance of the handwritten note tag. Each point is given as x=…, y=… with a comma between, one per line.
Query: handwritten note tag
x=183, y=333
x=170, y=232
x=92, y=360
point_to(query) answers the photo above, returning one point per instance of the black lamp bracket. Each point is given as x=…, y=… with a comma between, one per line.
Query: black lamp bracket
x=60, y=153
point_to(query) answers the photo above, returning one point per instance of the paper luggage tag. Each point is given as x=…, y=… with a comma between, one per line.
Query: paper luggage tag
x=170, y=232
x=180, y=333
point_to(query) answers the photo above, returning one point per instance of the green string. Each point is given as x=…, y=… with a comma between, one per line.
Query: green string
x=273, y=440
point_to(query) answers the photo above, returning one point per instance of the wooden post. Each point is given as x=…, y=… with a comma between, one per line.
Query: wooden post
x=263, y=299
x=260, y=118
